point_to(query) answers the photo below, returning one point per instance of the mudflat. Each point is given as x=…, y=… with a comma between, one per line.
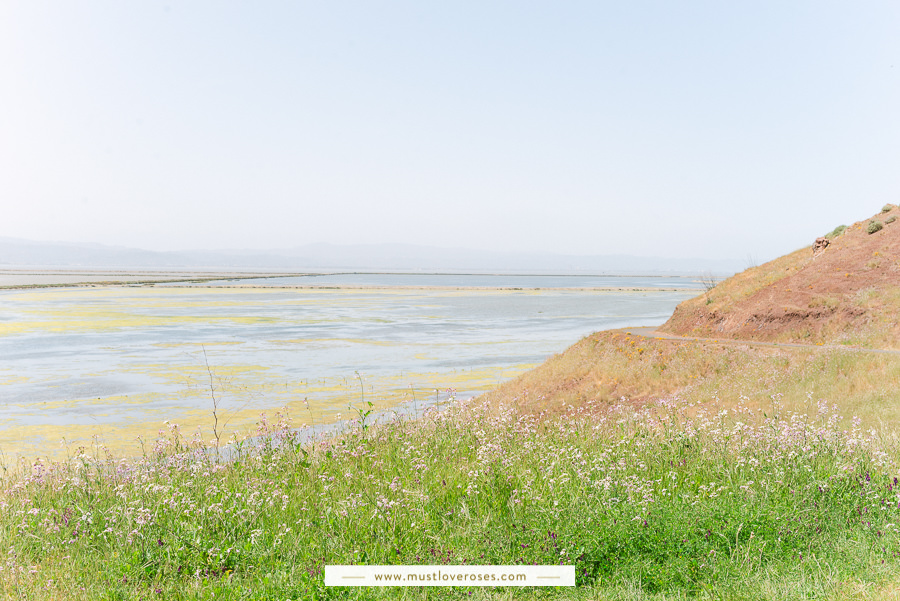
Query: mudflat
x=38, y=278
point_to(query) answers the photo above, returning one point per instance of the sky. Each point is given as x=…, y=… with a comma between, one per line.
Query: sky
x=675, y=129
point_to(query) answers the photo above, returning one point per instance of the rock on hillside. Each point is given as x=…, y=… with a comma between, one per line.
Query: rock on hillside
x=847, y=292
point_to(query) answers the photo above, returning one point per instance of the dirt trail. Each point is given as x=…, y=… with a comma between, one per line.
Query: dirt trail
x=651, y=332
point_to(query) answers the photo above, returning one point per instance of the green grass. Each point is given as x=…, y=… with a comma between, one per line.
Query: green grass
x=668, y=501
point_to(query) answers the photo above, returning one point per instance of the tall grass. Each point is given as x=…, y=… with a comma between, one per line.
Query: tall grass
x=667, y=501
x=607, y=366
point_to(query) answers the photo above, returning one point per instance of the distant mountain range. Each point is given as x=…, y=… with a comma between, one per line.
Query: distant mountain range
x=364, y=257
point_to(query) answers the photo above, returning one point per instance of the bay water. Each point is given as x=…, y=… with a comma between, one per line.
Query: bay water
x=112, y=364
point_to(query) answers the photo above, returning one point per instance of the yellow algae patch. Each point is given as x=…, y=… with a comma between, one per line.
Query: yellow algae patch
x=180, y=303
x=141, y=398
x=169, y=370
x=13, y=379
x=51, y=441
x=195, y=376
x=101, y=320
x=373, y=342
x=61, y=442
x=321, y=341
x=121, y=292
x=477, y=379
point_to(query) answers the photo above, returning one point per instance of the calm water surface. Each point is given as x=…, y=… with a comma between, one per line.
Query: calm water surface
x=471, y=280
x=115, y=362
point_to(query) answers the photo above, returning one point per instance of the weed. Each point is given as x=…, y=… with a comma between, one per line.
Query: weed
x=874, y=226
x=708, y=281
x=836, y=232
x=215, y=401
x=824, y=301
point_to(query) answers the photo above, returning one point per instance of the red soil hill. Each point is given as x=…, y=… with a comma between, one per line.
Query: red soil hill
x=846, y=293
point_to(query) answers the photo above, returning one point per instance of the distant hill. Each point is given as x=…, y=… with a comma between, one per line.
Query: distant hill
x=405, y=257
x=847, y=292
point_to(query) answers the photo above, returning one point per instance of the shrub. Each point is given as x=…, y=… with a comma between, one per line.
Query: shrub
x=891, y=219
x=887, y=208
x=836, y=231
x=874, y=226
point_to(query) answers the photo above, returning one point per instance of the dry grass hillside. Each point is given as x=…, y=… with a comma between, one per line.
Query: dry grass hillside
x=846, y=293
x=611, y=367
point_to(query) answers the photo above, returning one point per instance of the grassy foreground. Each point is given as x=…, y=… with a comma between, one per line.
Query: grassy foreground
x=669, y=500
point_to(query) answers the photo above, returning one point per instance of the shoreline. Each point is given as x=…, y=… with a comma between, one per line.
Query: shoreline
x=16, y=279
x=438, y=288
x=22, y=279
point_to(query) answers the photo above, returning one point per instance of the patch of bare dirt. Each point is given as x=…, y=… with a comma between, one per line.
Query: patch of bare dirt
x=845, y=290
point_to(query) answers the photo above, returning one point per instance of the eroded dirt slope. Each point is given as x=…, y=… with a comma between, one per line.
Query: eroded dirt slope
x=847, y=293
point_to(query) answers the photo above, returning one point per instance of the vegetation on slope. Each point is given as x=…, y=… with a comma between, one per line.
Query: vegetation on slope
x=610, y=366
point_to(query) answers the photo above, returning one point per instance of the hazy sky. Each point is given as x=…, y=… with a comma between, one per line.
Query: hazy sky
x=684, y=129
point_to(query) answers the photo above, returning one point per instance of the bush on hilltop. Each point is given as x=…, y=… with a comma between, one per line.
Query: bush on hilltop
x=836, y=232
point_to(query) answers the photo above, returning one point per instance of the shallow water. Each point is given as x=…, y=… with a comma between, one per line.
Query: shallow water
x=115, y=362
x=525, y=281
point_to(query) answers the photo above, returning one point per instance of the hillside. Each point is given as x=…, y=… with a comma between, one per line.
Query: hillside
x=846, y=293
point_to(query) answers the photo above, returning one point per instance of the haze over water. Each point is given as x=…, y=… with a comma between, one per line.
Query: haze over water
x=116, y=362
